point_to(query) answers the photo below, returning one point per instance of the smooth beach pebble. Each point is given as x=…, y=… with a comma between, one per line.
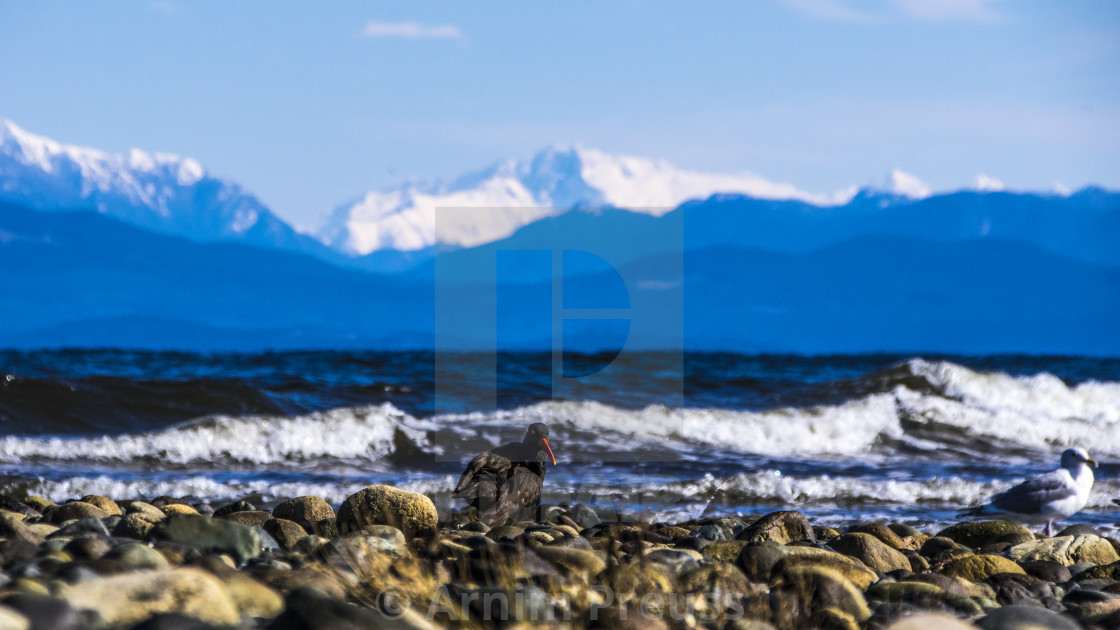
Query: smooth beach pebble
x=157, y=565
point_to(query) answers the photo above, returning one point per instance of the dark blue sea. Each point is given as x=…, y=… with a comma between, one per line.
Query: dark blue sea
x=667, y=436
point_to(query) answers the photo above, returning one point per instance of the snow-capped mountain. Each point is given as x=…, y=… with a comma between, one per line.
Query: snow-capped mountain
x=161, y=192
x=518, y=193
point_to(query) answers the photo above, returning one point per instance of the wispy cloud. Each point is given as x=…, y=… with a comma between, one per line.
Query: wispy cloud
x=923, y=10
x=165, y=6
x=830, y=10
x=952, y=10
x=411, y=30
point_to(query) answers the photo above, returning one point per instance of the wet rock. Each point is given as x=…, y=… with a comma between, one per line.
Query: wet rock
x=236, y=506
x=1103, y=571
x=825, y=533
x=412, y=513
x=325, y=528
x=73, y=511
x=678, y=560
x=84, y=525
x=17, y=549
x=1066, y=550
x=724, y=551
x=171, y=621
x=1078, y=529
x=12, y=525
x=885, y=534
x=38, y=503
x=8, y=504
x=717, y=591
x=712, y=532
x=977, y=534
x=286, y=532
x=931, y=621
x=1026, y=618
x=210, y=535
x=137, y=556
x=871, y=551
x=384, y=539
x=978, y=568
x=780, y=527
x=108, y=505
x=633, y=581
x=252, y=598
x=172, y=509
x=587, y=563
x=1053, y=572
x=939, y=545
x=1091, y=606
x=572, y=542
x=134, y=526
x=1011, y=592
x=146, y=511
x=851, y=569
x=584, y=516
x=133, y=597
x=810, y=589
x=255, y=518
x=87, y=548
x=11, y=619
x=304, y=510
x=48, y=613
x=757, y=560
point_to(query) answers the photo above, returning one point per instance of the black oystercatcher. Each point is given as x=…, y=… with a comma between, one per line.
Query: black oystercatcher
x=504, y=484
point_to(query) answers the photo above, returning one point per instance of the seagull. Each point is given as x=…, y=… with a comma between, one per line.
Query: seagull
x=1047, y=497
x=504, y=484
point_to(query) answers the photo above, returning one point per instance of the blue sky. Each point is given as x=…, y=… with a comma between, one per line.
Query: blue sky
x=308, y=105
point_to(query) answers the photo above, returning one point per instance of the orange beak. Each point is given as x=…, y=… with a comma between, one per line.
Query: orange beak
x=544, y=443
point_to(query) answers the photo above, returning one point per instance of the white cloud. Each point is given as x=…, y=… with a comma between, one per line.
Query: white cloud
x=951, y=10
x=411, y=30
x=829, y=10
x=987, y=183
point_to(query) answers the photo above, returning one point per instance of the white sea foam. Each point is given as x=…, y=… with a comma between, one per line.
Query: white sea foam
x=353, y=432
x=208, y=489
x=1038, y=413
x=1006, y=417
x=1043, y=396
x=845, y=429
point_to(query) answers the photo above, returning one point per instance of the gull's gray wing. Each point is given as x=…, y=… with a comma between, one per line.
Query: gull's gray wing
x=1030, y=496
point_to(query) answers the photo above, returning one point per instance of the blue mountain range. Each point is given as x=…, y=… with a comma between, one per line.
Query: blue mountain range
x=164, y=257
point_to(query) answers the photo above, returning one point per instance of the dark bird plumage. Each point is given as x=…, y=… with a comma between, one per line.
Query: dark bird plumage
x=504, y=484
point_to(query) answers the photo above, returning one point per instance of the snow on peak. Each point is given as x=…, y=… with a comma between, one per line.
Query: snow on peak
x=517, y=193
x=904, y=184
x=158, y=191
x=987, y=183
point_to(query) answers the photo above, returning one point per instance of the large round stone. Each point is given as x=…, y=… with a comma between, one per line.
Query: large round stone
x=980, y=568
x=871, y=551
x=123, y=600
x=976, y=534
x=210, y=535
x=412, y=513
x=72, y=511
x=304, y=510
x=780, y=527
x=1067, y=550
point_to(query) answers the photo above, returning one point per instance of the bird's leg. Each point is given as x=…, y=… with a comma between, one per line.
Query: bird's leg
x=1050, y=528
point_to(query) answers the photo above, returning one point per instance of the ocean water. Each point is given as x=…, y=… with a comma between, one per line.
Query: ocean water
x=844, y=439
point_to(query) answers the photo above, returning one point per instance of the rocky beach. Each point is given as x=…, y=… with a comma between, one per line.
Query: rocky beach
x=386, y=558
